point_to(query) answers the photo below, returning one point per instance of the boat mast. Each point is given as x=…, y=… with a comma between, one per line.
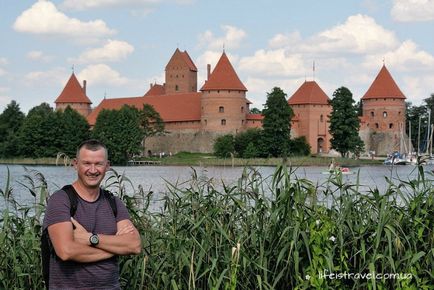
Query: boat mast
x=428, y=131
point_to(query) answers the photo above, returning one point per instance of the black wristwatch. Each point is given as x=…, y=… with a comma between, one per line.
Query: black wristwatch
x=94, y=240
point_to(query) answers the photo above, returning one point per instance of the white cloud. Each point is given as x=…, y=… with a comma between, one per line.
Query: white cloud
x=281, y=40
x=46, y=78
x=102, y=74
x=113, y=50
x=43, y=18
x=414, y=88
x=2, y=72
x=413, y=10
x=273, y=63
x=37, y=55
x=407, y=57
x=3, y=61
x=93, y=4
x=359, y=34
x=232, y=38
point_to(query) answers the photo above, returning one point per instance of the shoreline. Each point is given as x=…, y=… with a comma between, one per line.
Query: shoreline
x=200, y=160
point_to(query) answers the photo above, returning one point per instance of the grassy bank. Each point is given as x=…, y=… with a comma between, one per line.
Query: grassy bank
x=260, y=233
x=202, y=159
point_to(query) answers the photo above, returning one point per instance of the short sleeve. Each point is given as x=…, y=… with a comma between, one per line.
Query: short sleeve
x=58, y=209
x=122, y=212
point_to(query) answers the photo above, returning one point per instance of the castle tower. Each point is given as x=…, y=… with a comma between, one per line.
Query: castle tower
x=181, y=74
x=384, y=115
x=74, y=95
x=311, y=108
x=223, y=103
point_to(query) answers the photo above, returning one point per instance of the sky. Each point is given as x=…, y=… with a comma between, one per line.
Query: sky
x=120, y=47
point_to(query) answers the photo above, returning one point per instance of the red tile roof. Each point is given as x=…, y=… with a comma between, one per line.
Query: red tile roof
x=188, y=60
x=172, y=108
x=72, y=93
x=185, y=57
x=384, y=86
x=254, y=117
x=309, y=93
x=156, y=90
x=223, y=77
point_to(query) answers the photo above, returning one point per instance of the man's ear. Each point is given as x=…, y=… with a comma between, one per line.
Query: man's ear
x=75, y=163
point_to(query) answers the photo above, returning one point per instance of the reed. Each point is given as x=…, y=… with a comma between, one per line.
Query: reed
x=263, y=232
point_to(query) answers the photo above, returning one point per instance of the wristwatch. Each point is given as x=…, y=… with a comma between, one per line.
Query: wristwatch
x=94, y=240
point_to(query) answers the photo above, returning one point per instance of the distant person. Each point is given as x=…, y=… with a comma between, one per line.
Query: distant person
x=87, y=245
x=332, y=165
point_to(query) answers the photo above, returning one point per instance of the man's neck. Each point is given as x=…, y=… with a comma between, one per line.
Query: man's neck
x=86, y=193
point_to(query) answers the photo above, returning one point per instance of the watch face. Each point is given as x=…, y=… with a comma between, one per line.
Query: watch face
x=94, y=240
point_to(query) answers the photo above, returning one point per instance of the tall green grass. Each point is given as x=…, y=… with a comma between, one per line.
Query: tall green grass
x=263, y=232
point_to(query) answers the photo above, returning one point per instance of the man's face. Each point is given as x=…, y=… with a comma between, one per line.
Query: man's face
x=91, y=167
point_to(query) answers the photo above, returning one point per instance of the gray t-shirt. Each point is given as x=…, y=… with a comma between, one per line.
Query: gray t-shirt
x=96, y=217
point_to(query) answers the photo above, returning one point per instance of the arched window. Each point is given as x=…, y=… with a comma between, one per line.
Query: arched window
x=221, y=109
x=223, y=122
x=321, y=118
x=377, y=126
x=242, y=109
x=384, y=114
x=391, y=126
x=176, y=88
x=372, y=114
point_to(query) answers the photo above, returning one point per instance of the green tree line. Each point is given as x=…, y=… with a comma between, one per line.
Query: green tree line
x=45, y=132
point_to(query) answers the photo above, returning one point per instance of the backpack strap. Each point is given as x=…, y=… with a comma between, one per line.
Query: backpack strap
x=112, y=201
x=73, y=198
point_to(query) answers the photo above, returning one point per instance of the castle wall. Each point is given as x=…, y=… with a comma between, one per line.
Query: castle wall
x=187, y=140
x=224, y=111
x=179, y=77
x=313, y=123
x=82, y=108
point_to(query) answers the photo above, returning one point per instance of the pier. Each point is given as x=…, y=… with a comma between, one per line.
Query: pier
x=143, y=162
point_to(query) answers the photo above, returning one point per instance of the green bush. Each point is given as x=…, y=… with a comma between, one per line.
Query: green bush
x=224, y=146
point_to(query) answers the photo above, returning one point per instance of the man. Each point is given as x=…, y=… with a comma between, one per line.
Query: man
x=88, y=244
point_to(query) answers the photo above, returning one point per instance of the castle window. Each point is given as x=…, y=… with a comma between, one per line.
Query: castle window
x=221, y=109
x=242, y=122
x=390, y=126
x=242, y=109
x=372, y=114
x=377, y=126
x=384, y=114
x=176, y=76
x=321, y=118
x=218, y=91
x=223, y=122
x=367, y=125
x=176, y=87
x=206, y=122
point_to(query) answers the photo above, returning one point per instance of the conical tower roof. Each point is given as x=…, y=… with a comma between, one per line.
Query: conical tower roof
x=184, y=56
x=73, y=93
x=223, y=77
x=309, y=93
x=384, y=86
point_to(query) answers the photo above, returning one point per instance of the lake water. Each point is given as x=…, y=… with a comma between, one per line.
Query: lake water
x=155, y=178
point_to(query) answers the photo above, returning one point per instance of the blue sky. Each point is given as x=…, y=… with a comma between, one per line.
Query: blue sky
x=121, y=46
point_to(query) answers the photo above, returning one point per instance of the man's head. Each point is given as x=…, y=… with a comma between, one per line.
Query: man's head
x=91, y=163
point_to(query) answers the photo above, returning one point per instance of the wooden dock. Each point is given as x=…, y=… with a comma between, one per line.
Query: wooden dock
x=143, y=162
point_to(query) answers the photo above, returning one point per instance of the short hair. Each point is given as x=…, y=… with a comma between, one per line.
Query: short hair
x=93, y=145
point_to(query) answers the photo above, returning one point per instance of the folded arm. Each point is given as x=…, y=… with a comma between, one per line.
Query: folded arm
x=126, y=241
x=68, y=248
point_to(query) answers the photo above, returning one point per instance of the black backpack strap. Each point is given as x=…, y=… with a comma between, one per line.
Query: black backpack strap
x=112, y=201
x=73, y=198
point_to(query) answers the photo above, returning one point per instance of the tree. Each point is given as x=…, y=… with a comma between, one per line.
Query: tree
x=344, y=123
x=41, y=133
x=11, y=120
x=121, y=132
x=255, y=111
x=75, y=130
x=224, y=146
x=299, y=146
x=276, y=124
x=151, y=122
x=250, y=137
